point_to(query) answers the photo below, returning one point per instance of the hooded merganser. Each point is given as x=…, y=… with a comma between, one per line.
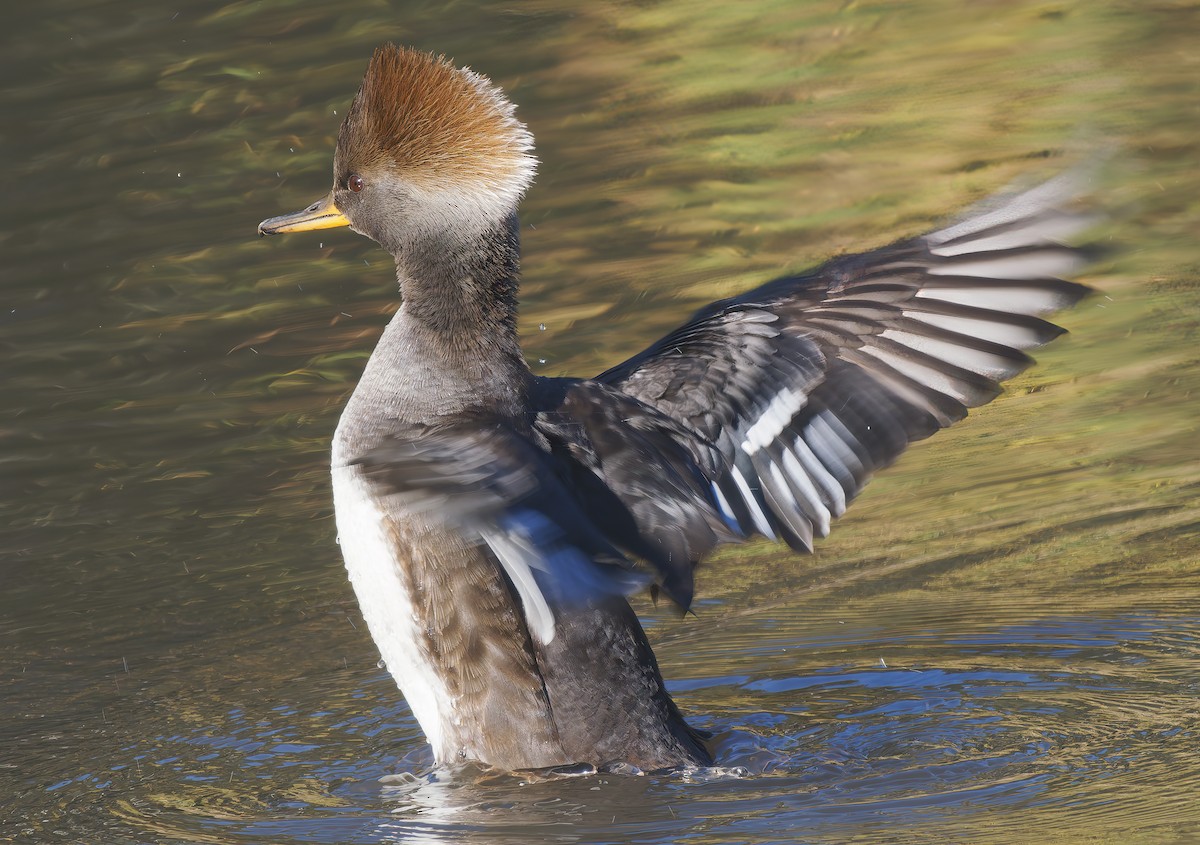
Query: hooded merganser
x=493, y=522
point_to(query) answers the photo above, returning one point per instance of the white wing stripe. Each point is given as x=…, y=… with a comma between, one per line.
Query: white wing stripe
x=812, y=498
x=1005, y=210
x=1037, y=231
x=756, y=513
x=831, y=435
x=1006, y=334
x=925, y=374
x=1023, y=300
x=726, y=511
x=1048, y=263
x=835, y=494
x=773, y=420
x=516, y=558
x=988, y=364
x=786, y=491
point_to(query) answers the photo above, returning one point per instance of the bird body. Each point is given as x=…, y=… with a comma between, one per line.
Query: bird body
x=493, y=522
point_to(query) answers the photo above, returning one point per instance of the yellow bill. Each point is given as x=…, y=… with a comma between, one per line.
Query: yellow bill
x=322, y=214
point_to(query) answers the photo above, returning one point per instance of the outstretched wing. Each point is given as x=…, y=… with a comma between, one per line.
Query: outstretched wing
x=811, y=383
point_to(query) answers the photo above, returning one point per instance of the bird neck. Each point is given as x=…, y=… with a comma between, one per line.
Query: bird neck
x=452, y=347
x=461, y=287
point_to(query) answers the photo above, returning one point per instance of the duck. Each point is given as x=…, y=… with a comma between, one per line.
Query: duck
x=495, y=523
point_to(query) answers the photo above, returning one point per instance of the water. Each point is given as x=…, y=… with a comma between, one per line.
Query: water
x=1000, y=638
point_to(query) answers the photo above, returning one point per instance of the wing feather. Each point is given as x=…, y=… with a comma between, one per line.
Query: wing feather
x=810, y=384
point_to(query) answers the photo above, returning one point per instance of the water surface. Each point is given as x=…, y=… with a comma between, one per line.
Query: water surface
x=998, y=642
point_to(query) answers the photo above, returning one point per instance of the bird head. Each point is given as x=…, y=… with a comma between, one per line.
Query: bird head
x=426, y=148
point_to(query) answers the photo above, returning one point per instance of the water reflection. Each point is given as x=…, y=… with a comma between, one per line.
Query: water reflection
x=1039, y=718
x=1000, y=637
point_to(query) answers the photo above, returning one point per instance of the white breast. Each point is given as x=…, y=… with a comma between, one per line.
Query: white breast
x=387, y=606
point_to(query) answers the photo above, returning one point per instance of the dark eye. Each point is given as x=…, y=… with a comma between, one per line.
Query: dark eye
x=355, y=182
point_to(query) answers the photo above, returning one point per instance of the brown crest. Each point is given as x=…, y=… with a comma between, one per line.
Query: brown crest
x=437, y=126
